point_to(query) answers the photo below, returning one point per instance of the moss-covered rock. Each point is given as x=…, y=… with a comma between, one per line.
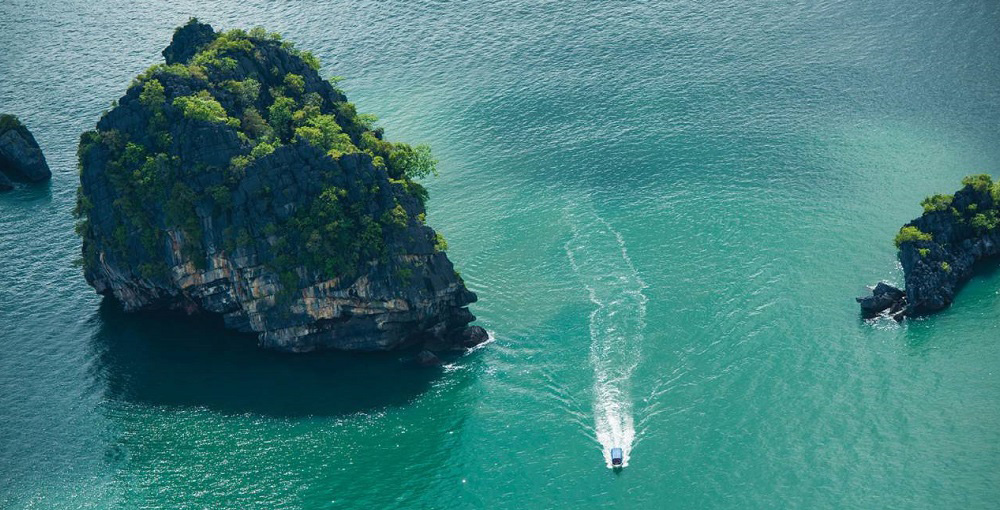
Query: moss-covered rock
x=234, y=180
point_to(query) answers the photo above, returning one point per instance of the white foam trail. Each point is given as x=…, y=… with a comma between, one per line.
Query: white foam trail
x=599, y=257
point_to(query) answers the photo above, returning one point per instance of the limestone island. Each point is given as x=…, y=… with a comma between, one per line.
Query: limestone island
x=20, y=157
x=939, y=250
x=234, y=180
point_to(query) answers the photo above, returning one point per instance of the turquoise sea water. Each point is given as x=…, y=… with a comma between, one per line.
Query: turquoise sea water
x=666, y=209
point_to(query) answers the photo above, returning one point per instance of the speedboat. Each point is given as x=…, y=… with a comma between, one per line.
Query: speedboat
x=617, y=457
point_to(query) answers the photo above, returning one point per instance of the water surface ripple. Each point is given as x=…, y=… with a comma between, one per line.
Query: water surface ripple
x=665, y=207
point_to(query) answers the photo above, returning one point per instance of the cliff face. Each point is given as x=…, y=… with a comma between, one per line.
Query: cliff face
x=939, y=250
x=20, y=157
x=236, y=181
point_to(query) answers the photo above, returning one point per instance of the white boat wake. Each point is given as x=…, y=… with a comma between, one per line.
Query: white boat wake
x=598, y=255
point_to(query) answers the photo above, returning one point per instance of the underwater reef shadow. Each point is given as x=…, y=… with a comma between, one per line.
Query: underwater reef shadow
x=173, y=360
x=29, y=193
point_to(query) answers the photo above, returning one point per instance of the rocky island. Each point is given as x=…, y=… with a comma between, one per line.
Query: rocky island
x=939, y=250
x=233, y=180
x=20, y=157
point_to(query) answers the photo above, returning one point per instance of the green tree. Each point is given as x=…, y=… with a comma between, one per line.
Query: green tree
x=152, y=94
x=255, y=126
x=937, y=203
x=412, y=162
x=246, y=91
x=295, y=82
x=201, y=106
x=979, y=182
x=323, y=132
x=279, y=116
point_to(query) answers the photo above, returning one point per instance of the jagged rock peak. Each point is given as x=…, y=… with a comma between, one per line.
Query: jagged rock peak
x=187, y=41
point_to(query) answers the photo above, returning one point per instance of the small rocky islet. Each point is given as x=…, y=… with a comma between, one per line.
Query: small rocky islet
x=21, y=158
x=233, y=180
x=939, y=250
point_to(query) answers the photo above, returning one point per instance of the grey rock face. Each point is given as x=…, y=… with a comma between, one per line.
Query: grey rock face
x=20, y=157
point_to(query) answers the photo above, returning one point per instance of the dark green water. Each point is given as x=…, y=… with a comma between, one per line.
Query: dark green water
x=666, y=209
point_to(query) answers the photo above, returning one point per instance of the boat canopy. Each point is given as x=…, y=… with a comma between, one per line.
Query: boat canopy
x=616, y=456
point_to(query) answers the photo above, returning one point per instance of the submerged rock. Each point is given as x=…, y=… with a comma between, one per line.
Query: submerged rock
x=5, y=184
x=20, y=157
x=236, y=181
x=427, y=358
x=939, y=250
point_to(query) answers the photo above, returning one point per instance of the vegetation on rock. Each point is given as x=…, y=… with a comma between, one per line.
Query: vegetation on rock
x=937, y=203
x=911, y=234
x=981, y=214
x=267, y=111
x=233, y=179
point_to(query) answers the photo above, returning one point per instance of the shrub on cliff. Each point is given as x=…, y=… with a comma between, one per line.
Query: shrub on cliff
x=911, y=234
x=983, y=222
x=937, y=203
x=979, y=182
x=202, y=106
